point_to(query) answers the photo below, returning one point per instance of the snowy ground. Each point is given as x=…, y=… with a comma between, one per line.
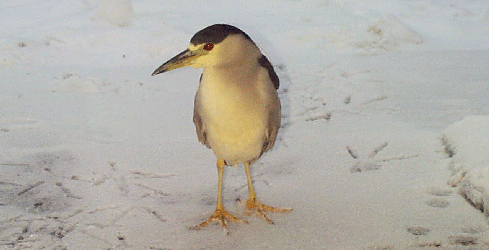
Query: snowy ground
x=97, y=154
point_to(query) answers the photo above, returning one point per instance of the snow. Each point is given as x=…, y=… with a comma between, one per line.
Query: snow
x=117, y=12
x=383, y=145
x=467, y=142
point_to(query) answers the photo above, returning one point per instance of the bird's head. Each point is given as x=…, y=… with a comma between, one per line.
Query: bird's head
x=215, y=46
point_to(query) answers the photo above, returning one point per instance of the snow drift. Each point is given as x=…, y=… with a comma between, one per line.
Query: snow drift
x=467, y=143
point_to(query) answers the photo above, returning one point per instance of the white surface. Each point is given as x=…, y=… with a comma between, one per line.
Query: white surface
x=97, y=154
x=468, y=141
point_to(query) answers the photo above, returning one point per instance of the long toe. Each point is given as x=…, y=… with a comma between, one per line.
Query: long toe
x=222, y=217
x=252, y=205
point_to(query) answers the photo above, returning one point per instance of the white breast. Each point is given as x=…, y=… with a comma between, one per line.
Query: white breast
x=234, y=112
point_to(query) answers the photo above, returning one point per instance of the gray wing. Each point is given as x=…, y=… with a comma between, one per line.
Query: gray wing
x=275, y=112
x=272, y=126
x=199, y=126
x=199, y=129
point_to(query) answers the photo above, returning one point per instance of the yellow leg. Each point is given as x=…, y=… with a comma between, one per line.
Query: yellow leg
x=220, y=214
x=253, y=204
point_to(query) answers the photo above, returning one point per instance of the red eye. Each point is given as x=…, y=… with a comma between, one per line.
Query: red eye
x=208, y=46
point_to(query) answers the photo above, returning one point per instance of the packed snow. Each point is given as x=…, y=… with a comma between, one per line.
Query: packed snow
x=384, y=139
x=467, y=142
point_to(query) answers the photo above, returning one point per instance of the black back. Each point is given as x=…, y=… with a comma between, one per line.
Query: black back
x=263, y=61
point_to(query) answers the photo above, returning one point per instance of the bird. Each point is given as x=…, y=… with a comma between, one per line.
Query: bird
x=237, y=110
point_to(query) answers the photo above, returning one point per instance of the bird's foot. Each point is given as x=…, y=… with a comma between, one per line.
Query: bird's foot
x=220, y=215
x=252, y=205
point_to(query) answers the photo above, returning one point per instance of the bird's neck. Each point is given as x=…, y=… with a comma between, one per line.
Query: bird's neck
x=233, y=72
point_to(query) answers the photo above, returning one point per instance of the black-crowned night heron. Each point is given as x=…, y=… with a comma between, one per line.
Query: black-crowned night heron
x=236, y=108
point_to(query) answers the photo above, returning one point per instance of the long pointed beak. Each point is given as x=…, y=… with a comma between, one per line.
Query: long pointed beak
x=181, y=60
